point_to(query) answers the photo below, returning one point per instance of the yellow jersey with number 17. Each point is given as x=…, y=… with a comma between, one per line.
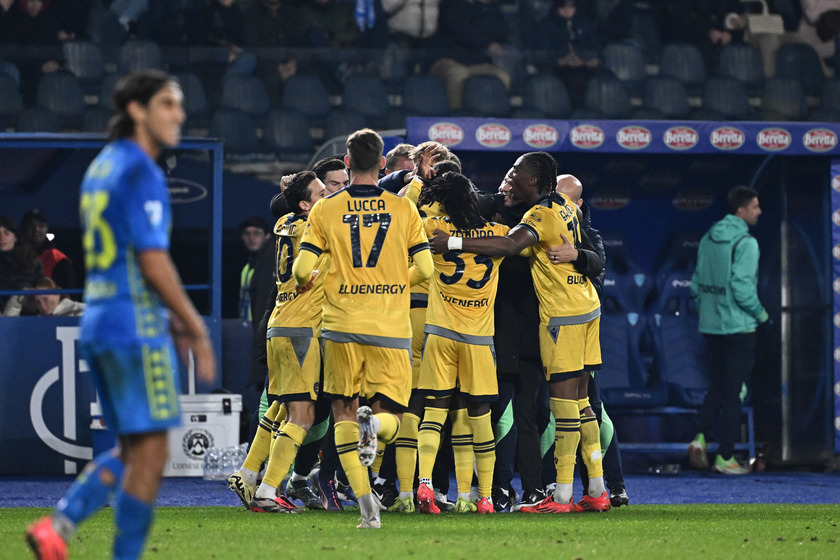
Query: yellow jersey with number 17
x=563, y=292
x=369, y=234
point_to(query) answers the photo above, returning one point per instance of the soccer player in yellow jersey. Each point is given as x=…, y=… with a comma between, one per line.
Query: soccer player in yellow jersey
x=458, y=353
x=369, y=234
x=569, y=319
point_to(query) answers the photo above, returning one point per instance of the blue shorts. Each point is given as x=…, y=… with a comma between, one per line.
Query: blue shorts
x=138, y=384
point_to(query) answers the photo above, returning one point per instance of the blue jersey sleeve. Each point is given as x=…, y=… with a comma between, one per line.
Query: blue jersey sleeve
x=148, y=211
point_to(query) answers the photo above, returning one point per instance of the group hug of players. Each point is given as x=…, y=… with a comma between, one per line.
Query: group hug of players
x=390, y=297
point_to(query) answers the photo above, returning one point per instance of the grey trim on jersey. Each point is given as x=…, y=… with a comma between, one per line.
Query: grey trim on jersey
x=459, y=337
x=367, y=339
x=574, y=319
x=289, y=332
x=420, y=297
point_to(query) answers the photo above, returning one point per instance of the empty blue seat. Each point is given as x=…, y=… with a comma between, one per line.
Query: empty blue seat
x=106, y=90
x=546, y=94
x=424, y=95
x=830, y=96
x=783, y=100
x=627, y=278
x=801, y=62
x=645, y=32
x=684, y=62
x=678, y=345
x=195, y=98
x=287, y=132
x=103, y=27
x=485, y=96
x=37, y=119
x=307, y=95
x=96, y=120
x=679, y=255
x=608, y=96
x=140, y=54
x=236, y=130
x=61, y=93
x=341, y=122
x=368, y=96
x=743, y=62
x=11, y=102
x=245, y=93
x=728, y=97
x=84, y=60
x=627, y=62
x=668, y=96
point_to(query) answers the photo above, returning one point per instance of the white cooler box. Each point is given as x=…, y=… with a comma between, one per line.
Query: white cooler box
x=207, y=420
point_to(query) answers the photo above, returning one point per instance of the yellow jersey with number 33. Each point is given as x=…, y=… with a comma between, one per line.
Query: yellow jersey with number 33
x=563, y=292
x=369, y=234
x=463, y=293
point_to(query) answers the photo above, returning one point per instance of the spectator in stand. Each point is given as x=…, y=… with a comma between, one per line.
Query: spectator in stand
x=412, y=23
x=330, y=24
x=55, y=305
x=9, y=12
x=57, y=265
x=567, y=44
x=20, y=267
x=473, y=37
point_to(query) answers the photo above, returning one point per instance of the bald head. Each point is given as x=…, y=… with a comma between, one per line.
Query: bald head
x=571, y=187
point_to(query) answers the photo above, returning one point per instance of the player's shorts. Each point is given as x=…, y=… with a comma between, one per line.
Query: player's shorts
x=352, y=369
x=138, y=384
x=418, y=337
x=569, y=350
x=294, y=367
x=448, y=364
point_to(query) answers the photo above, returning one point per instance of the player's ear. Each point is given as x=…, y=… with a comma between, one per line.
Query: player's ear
x=382, y=162
x=347, y=161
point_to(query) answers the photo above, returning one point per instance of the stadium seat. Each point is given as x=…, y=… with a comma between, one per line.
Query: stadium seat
x=61, y=93
x=237, y=131
x=341, y=122
x=307, y=95
x=546, y=94
x=728, y=97
x=195, y=100
x=801, y=62
x=684, y=62
x=633, y=284
x=424, y=95
x=104, y=28
x=830, y=95
x=368, y=96
x=106, y=90
x=608, y=96
x=783, y=100
x=84, y=60
x=679, y=347
x=627, y=62
x=485, y=96
x=37, y=119
x=139, y=54
x=287, y=133
x=245, y=93
x=679, y=255
x=668, y=96
x=96, y=120
x=743, y=62
x=11, y=102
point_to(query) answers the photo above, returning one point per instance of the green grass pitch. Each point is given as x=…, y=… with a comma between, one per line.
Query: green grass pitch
x=681, y=532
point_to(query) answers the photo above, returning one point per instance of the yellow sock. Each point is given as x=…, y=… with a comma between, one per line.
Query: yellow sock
x=260, y=447
x=406, y=451
x=281, y=416
x=590, y=441
x=462, y=449
x=389, y=427
x=347, y=445
x=380, y=455
x=566, y=438
x=283, y=452
x=484, y=444
x=428, y=439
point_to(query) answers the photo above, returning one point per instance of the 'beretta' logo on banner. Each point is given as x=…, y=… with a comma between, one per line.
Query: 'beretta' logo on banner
x=727, y=138
x=610, y=199
x=836, y=252
x=835, y=183
x=837, y=357
x=540, y=136
x=773, y=139
x=633, y=137
x=837, y=320
x=835, y=217
x=447, y=133
x=493, y=135
x=692, y=200
x=819, y=139
x=680, y=137
x=836, y=285
x=587, y=136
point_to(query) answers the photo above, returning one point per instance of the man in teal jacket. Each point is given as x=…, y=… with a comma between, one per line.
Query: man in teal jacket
x=724, y=287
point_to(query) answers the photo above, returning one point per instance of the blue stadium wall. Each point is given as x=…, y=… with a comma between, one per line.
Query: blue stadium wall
x=656, y=183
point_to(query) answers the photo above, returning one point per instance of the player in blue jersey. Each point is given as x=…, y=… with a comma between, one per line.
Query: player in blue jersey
x=125, y=332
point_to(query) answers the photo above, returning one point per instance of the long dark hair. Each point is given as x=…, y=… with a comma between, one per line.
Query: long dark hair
x=456, y=194
x=138, y=86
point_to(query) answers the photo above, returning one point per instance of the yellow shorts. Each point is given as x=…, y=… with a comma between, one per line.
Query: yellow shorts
x=448, y=364
x=294, y=367
x=352, y=369
x=418, y=337
x=569, y=350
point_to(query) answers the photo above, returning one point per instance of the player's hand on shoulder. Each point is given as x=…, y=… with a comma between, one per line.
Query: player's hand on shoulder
x=564, y=253
x=438, y=242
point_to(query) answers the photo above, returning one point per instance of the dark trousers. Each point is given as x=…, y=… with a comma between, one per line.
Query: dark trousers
x=731, y=358
x=506, y=435
x=526, y=416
